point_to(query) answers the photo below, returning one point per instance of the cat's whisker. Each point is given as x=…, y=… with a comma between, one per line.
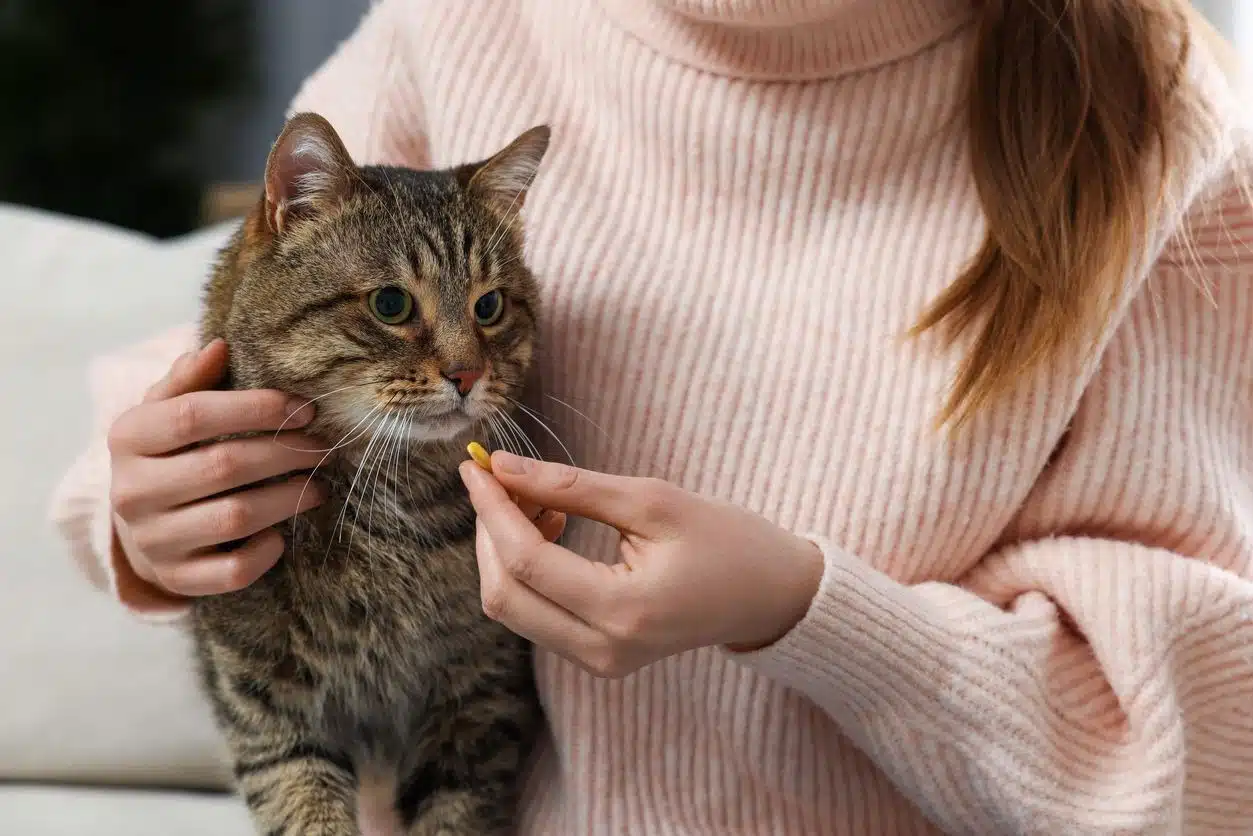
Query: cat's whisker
x=377, y=474
x=408, y=457
x=525, y=447
x=365, y=457
x=401, y=450
x=372, y=476
x=322, y=461
x=393, y=457
x=572, y=409
x=528, y=442
x=344, y=440
x=499, y=441
x=528, y=445
x=535, y=416
x=508, y=439
x=339, y=522
x=310, y=401
x=493, y=430
x=544, y=426
x=367, y=465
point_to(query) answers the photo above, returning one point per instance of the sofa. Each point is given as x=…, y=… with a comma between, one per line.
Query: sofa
x=102, y=730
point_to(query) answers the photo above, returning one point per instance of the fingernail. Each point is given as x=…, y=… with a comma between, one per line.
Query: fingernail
x=509, y=463
x=299, y=413
x=210, y=344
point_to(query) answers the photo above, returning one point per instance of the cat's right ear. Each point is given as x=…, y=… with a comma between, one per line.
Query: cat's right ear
x=309, y=172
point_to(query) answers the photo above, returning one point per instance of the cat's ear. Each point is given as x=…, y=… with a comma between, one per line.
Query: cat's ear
x=503, y=180
x=309, y=172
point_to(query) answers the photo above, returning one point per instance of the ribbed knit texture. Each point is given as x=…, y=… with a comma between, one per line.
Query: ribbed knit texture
x=1041, y=626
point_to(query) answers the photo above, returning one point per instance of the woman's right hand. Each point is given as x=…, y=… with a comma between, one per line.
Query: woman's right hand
x=171, y=509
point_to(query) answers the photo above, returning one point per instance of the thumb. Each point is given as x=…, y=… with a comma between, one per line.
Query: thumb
x=603, y=497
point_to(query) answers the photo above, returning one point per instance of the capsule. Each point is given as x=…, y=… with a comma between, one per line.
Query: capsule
x=481, y=457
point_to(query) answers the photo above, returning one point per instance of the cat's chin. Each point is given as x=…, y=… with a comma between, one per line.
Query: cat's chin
x=433, y=430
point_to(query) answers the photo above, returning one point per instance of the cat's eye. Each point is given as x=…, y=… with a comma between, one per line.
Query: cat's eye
x=489, y=308
x=391, y=305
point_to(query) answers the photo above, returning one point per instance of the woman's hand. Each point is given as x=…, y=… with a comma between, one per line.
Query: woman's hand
x=167, y=510
x=694, y=572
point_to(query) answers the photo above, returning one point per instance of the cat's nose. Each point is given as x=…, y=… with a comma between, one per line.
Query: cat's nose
x=463, y=377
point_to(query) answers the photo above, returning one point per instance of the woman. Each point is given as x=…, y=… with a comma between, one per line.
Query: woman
x=919, y=329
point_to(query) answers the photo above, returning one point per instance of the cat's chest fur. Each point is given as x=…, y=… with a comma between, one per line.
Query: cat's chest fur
x=373, y=609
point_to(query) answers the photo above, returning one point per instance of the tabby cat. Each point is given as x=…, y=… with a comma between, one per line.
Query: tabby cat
x=400, y=301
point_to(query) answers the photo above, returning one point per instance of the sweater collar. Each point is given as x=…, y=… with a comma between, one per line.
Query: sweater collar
x=789, y=40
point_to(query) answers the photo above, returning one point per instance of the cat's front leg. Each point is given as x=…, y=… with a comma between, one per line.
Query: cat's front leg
x=483, y=811
x=467, y=782
x=293, y=783
x=296, y=787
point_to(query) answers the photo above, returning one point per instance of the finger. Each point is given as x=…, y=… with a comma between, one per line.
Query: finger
x=570, y=581
x=216, y=573
x=495, y=507
x=613, y=500
x=552, y=524
x=530, y=615
x=165, y=426
x=215, y=468
x=233, y=517
x=192, y=372
x=531, y=510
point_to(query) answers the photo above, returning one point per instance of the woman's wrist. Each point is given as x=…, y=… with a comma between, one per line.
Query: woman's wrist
x=804, y=566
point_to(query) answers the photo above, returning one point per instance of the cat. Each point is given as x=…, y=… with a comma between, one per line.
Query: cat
x=399, y=299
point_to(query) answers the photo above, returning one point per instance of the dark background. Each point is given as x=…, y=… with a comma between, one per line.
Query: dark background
x=136, y=112
x=131, y=111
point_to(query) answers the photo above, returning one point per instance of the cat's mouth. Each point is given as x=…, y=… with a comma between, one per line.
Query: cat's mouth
x=417, y=420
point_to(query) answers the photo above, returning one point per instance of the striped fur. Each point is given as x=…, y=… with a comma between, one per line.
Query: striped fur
x=365, y=650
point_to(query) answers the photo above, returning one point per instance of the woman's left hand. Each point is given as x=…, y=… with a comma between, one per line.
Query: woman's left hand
x=694, y=573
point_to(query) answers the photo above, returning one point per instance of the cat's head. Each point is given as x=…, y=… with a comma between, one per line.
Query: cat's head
x=398, y=298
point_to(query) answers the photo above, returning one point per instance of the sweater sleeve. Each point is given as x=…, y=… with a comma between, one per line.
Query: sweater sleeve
x=367, y=92
x=80, y=507
x=1094, y=674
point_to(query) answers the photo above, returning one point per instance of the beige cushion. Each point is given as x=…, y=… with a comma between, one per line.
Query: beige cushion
x=87, y=693
x=66, y=811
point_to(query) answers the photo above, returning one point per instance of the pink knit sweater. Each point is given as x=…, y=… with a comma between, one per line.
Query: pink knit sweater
x=1043, y=626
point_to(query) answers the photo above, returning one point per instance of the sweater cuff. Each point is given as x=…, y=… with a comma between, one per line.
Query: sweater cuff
x=81, y=511
x=866, y=643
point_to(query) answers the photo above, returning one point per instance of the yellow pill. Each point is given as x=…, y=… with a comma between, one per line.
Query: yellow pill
x=480, y=456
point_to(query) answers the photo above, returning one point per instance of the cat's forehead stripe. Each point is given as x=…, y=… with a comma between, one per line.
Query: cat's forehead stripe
x=429, y=248
x=428, y=303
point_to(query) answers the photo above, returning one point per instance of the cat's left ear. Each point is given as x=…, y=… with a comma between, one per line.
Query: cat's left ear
x=503, y=180
x=309, y=172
